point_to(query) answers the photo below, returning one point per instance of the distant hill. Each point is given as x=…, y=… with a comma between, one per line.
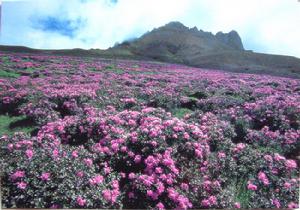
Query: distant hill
x=176, y=43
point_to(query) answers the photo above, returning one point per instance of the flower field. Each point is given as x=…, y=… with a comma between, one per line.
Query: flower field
x=99, y=133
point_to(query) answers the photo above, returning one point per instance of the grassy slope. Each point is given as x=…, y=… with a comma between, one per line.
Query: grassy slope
x=11, y=124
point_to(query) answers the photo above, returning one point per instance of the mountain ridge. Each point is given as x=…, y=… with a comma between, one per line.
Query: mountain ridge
x=177, y=43
x=174, y=42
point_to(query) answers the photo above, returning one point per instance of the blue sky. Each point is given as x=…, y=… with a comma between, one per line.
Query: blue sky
x=270, y=26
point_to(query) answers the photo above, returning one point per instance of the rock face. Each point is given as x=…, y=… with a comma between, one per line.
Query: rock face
x=231, y=39
x=177, y=43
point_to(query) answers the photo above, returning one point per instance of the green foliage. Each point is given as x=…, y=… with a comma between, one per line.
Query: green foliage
x=181, y=112
x=9, y=125
x=113, y=68
x=32, y=69
x=7, y=74
x=243, y=195
x=5, y=59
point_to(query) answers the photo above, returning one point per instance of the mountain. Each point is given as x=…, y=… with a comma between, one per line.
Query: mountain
x=177, y=43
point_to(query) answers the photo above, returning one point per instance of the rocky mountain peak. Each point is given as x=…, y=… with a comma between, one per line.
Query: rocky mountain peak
x=231, y=39
x=175, y=25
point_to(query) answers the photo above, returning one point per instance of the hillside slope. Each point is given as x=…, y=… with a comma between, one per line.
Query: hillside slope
x=176, y=43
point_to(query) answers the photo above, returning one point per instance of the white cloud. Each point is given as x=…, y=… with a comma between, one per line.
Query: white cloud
x=270, y=26
x=266, y=26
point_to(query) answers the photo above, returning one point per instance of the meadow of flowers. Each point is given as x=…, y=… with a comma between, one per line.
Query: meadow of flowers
x=133, y=134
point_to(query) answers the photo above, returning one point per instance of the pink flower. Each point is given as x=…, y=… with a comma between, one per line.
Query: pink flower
x=278, y=157
x=80, y=174
x=263, y=178
x=237, y=205
x=114, y=195
x=173, y=195
x=160, y=206
x=293, y=205
x=137, y=159
x=186, y=135
x=251, y=187
x=221, y=155
x=10, y=147
x=287, y=185
x=274, y=171
x=276, y=203
x=123, y=175
x=80, y=201
x=158, y=170
x=106, y=195
x=206, y=185
x=154, y=143
x=216, y=184
x=184, y=186
x=75, y=154
x=96, y=180
x=168, y=162
x=22, y=185
x=29, y=153
x=131, y=176
x=131, y=123
x=17, y=174
x=88, y=162
x=212, y=199
x=115, y=147
x=45, y=176
x=124, y=149
x=151, y=194
x=107, y=170
x=290, y=164
x=239, y=147
x=198, y=153
x=268, y=158
x=55, y=153
x=160, y=187
x=150, y=161
x=205, y=203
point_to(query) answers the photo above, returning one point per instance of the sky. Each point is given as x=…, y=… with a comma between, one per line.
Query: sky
x=267, y=26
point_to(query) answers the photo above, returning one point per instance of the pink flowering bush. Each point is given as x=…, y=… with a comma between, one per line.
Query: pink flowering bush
x=54, y=178
x=133, y=134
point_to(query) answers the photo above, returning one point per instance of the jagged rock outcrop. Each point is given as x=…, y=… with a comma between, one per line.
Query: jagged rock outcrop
x=231, y=39
x=178, y=43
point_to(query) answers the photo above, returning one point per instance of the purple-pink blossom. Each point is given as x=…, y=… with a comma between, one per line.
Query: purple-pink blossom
x=80, y=201
x=96, y=180
x=45, y=176
x=17, y=175
x=251, y=186
x=263, y=178
x=29, y=153
x=22, y=185
x=290, y=164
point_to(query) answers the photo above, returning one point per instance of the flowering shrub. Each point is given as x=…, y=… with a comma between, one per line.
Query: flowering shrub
x=106, y=137
x=58, y=178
